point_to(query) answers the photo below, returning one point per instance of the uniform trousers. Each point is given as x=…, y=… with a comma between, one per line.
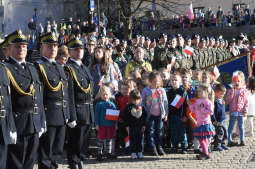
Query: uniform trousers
x=23, y=154
x=51, y=146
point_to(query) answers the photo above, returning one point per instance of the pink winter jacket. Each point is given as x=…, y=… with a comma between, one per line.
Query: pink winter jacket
x=239, y=104
x=203, y=109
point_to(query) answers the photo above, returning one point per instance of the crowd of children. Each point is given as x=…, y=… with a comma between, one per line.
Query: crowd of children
x=177, y=110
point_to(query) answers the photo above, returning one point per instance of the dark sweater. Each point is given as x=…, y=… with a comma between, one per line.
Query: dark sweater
x=219, y=111
x=130, y=120
x=171, y=94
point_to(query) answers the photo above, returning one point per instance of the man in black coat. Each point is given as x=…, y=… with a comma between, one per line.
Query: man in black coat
x=58, y=105
x=8, y=133
x=82, y=86
x=27, y=104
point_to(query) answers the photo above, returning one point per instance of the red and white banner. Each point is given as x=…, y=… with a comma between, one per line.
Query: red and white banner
x=189, y=50
x=178, y=101
x=190, y=12
x=127, y=142
x=216, y=72
x=112, y=114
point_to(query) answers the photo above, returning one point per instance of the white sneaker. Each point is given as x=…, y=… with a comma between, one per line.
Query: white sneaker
x=133, y=156
x=140, y=155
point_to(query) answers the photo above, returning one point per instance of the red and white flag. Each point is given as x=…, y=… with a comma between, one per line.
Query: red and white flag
x=189, y=50
x=216, y=72
x=127, y=142
x=178, y=101
x=112, y=114
x=235, y=77
x=190, y=12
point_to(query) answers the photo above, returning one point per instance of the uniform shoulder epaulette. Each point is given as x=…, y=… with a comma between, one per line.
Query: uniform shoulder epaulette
x=39, y=61
x=29, y=63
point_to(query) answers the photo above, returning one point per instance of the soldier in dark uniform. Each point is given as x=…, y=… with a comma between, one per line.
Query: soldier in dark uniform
x=8, y=133
x=3, y=50
x=58, y=103
x=27, y=104
x=82, y=86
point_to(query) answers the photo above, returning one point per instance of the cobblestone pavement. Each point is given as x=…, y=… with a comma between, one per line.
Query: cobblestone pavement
x=235, y=158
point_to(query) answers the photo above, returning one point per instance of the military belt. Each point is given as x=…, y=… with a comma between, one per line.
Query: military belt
x=82, y=104
x=32, y=110
x=60, y=103
x=3, y=113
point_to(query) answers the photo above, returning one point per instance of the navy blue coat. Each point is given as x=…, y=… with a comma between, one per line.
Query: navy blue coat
x=28, y=112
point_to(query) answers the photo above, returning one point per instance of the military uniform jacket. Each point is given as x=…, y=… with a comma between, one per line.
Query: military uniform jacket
x=28, y=110
x=83, y=100
x=58, y=107
x=161, y=58
x=7, y=123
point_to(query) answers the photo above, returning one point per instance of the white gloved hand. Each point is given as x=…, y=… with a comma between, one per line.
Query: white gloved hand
x=72, y=124
x=43, y=130
x=13, y=136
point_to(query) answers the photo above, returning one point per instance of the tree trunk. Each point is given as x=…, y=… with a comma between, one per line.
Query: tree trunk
x=128, y=28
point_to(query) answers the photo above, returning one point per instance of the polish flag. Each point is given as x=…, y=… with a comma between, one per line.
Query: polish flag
x=178, y=101
x=188, y=50
x=235, y=77
x=127, y=142
x=190, y=12
x=216, y=72
x=112, y=114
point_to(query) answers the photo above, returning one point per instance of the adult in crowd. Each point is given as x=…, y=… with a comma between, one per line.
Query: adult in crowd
x=83, y=100
x=138, y=63
x=58, y=105
x=27, y=104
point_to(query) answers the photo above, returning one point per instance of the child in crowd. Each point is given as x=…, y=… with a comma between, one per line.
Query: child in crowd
x=203, y=108
x=156, y=105
x=135, y=119
x=165, y=75
x=105, y=128
x=237, y=98
x=192, y=120
x=177, y=97
x=122, y=99
x=196, y=78
x=219, y=118
x=186, y=84
x=206, y=81
x=251, y=104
